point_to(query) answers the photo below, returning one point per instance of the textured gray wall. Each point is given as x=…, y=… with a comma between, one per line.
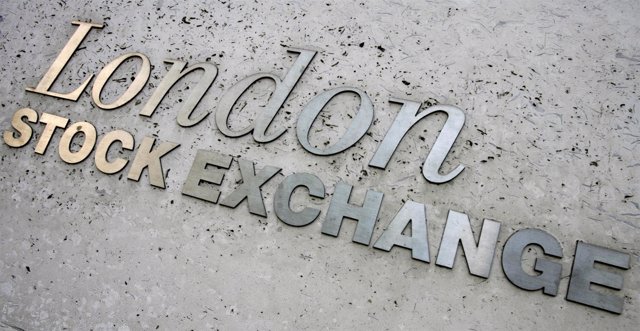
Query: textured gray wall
x=550, y=91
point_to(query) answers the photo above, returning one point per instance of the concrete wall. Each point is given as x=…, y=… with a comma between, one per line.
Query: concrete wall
x=550, y=92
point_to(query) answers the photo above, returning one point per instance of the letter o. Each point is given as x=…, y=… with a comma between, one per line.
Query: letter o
x=87, y=146
x=356, y=130
x=134, y=88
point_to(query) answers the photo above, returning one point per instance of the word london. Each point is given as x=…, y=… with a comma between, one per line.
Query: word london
x=210, y=166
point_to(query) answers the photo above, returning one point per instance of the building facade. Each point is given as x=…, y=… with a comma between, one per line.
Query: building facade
x=330, y=165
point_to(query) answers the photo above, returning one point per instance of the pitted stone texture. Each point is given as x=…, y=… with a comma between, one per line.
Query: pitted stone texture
x=550, y=92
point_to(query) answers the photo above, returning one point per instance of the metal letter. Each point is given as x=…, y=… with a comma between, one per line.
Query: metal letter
x=340, y=208
x=479, y=256
x=583, y=274
x=282, y=90
x=134, y=88
x=550, y=272
x=146, y=158
x=250, y=187
x=176, y=73
x=414, y=213
x=22, y=137
x=105, y=143
x=359, y=125
x=64, y=148
x=52, y=123
x=406, y=119
x=61, y=61
x=283, y=197
x=199, y=173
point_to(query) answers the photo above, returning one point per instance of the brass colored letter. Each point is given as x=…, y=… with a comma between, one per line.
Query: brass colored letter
x=61, y=61
x=52, y=122
x=105, y=143
x=134, y=88
x=146, y=158
x=24, y=130
x=87, y=146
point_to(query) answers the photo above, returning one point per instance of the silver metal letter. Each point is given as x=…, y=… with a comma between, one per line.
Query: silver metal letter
x=282, y=90
x=359, y=125
x=406, y=119
x=583, y=274
x=176, y=73
x=479, y=256
x=414, y=213
x=283, y=197
x=146, y=158
x=340, y=208
x=550, y=272
x=200, y=173
x=250, y=187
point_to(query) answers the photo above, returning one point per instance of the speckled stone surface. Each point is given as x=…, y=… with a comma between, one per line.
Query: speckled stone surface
x=551, y=141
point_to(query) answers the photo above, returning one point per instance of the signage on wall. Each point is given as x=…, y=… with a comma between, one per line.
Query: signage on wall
x=210, y=166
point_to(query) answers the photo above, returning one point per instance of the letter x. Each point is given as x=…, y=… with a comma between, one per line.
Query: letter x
x=250, y=187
